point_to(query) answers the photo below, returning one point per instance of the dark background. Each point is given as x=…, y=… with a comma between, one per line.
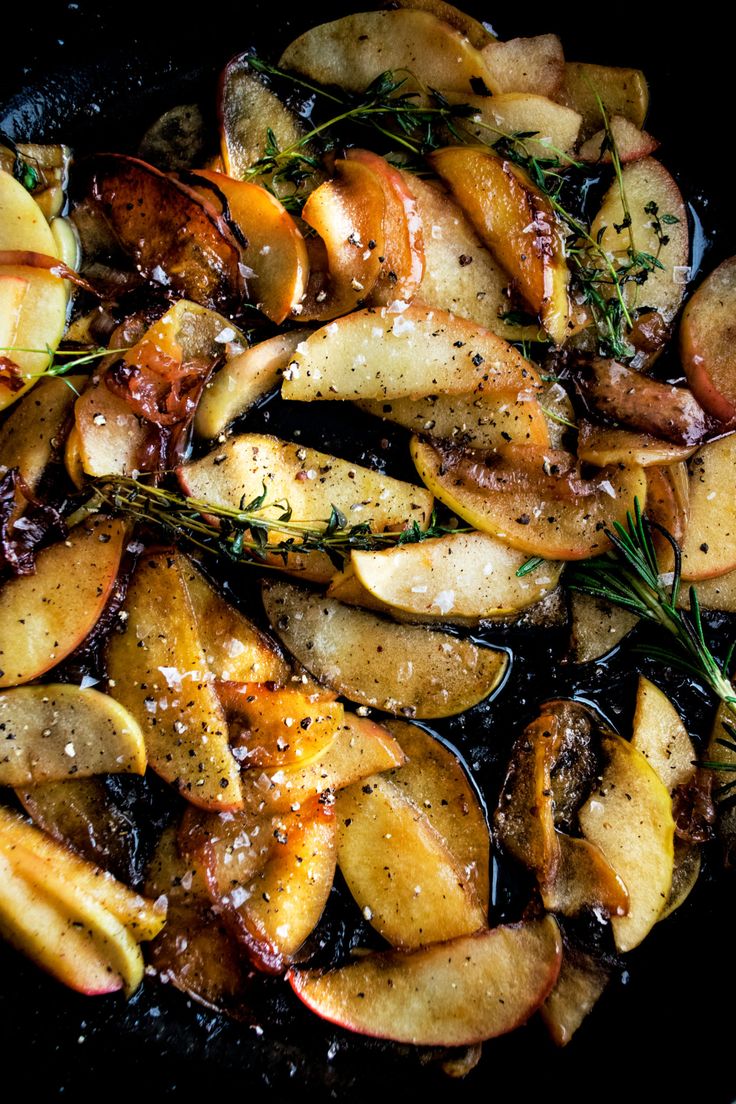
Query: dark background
x=96, y=76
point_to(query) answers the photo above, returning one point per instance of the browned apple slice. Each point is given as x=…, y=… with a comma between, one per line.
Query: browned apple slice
x=433, y=778
x=661, y=737
x=657, y=225
x=478, y=34
x=31, y=435
x=449, y=994
x=356, y=49
x=109, y=438
x=621, y=91
x=713, y=594
x=235, y=649
x=582, y=980
x=158, y=670
x=400, y=870
x=243, y=380
x=706, y=342
x=709, y=548
x=584, y=879
x=525, y=65
x=685, y=874
x=551, y=129
x=631, y=143
x=597, y=627
x=405, y=669
x=517, y=224
x=275, y=250
x=45, y=616
x=360, y=748
x=52, y=732
x=525, y=500
x=721, y=751
x=463, y=575
x=601, y=446
x=277, y=726
x=629, y=816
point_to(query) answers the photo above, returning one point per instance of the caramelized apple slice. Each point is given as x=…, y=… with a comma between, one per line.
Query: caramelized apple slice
x=356, y=49
x=709, y=548
x=158, y=670
x=584, y=879
x=621, y=91
x=629, y=817
x=706, y=342
x=517, y=224
x=631, y=143
x=661, y=737
x=52, y=732
x=597, y=627
x=534, y=65
x=60, y=604
x=602, y=446
x=406, y=669
x=495, y=496
x=278, y=726
x=685, y=874
x=476, y=33
x=582, y=980
x=449, y=994
x=552, y=129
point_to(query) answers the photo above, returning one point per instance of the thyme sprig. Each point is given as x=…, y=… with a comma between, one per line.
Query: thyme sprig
x=246, y=535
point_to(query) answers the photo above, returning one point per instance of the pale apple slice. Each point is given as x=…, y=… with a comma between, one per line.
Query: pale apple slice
x=158, y=671
x=39, y=321
x=661, y=737
x=721, y=751
x=581, y=982
x=383, y=354
x=109, y=438
x=406, y=669
x=517, y=224
x=243, y=380
x=360, y=748
x=534, y=65
x=631, y=142
x=311, y=482
x=629, y=817
x=479, y=34
x=531, y=514
x=142, y=917
x=651, y=195
x=601, y=445
x=68, y=247
x=45, y=616
x=278, y=726
x=467, y=575
x=449, y=994
x=275, y=253
x=583, y=879
x=400, y=870
x=551, y=129
x=354, y=50
x=621, y=91
x=709, y=548
x=235, y=649
x=12, y=293
x=50, y=164
x=433, y=778
x=596, y=627
x=52, y=732
x=706, y=342
x=713, y=594
x=685, y=874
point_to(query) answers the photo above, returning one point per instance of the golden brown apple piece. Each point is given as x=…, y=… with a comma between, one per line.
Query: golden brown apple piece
x=709, y=548
x=582, y=980
x=622, y=92
x=596, y=627
x=529, y=497
x=706, y=342
x=45, y=616
x=50, y=164
x=631, y=143
x=584, y=879
x=52, y=732
x=275, y=251
x=667, y=508
x=601, y=445
x=477, y=33
x=158, y=670
x=449, y=994
x=404, y=669
x=551, y=128
x=278, y=726
x=517, y=224
x=354, y=50
x=534, y=65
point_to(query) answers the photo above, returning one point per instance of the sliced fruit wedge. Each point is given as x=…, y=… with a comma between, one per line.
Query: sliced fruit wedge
x=535, y=65
x=45, y=616
x=476, y=33
x=449, y=994
x=601, y=445
x=278, y=726
x=552, y=129
x=709, y=548
x=581, y=982
x=706, y=346
x=622, y=92
x=405, y=669
x=597, y=627
x=584, y=879
x=31, y=434
x=661, y=737
x=52, y=732
x=631, y=143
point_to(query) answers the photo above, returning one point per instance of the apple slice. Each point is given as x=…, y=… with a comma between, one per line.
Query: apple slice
x=12, y=293
x=503, y=204
x=661, y=737
x=706, y=342
x=52, y=732
x=466, y=575
x=597, y=627
x=629, y=817
x=720, y=750
x=243, y=380
x=407, y=669
x=581, y=982
x=685, y=874
x=400, y=870
x=602, y=446
x=713, y=594
x=61, y=603
x=552, y=129
x=354, y=50
x=278, y=726
x=275, y=252
x=110, y=438
x=477, y=33
x=449, y=994
x=433, y=779
x=534, y=65
x=631, y=143
x=235, y=649
x=158, y=670
x=709, y=548
x=559, y=526
x=658, y=227
x=584, y=879
x=621, y=91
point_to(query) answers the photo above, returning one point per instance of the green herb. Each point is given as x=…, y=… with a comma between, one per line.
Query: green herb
x=530, y=565
x=244, y=535
x=58, y=364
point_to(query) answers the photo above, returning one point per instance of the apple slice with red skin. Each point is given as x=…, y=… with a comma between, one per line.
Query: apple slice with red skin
x=449, y=994
x=709, y=548
x=707, y=335
x=58, y=606
x=278, y=726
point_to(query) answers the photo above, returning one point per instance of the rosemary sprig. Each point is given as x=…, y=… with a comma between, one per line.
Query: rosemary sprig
x=244, y=535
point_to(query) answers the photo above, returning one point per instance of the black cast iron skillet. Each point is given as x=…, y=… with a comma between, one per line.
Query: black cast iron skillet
x=95, y=77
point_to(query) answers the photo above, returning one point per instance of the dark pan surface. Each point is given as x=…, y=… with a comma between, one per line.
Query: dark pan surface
x=96, y=76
